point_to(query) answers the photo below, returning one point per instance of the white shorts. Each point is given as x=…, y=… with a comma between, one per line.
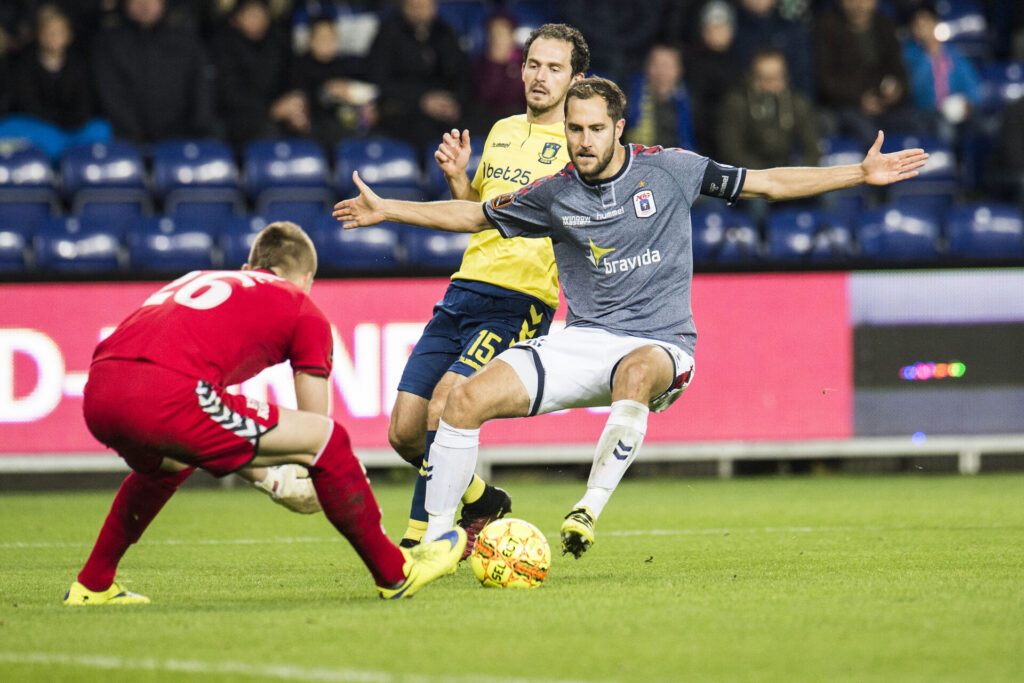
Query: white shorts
x=573, y=368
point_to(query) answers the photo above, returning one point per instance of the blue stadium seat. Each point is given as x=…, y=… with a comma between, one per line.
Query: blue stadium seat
x=111, y=174
x=437, y=186
x=898, y=236
x=237, y=238
x=467, y=18
x=938, y=180
x=286, y=171
x=15, y=240
x=532, y=14
x=808, y=236
x=377, y=247
x=988, y=231
x=303, y=214
x=187, y=173
x=27, y=192
x=962, y=24
x=164, y=244
x=839, y=151
x=388, y=166
x=78, y=245
x=432, y=249
x=724, y=237
x=1001, y=84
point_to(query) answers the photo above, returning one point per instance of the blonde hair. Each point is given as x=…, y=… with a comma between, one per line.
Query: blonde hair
x=283, y=247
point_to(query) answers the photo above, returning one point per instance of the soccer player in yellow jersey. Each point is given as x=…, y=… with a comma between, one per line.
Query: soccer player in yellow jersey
x=506, y=289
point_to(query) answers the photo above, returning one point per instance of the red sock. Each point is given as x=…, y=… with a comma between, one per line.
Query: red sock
x=344, y=492
x=137, y=502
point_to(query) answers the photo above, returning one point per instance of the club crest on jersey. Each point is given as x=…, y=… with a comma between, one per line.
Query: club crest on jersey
x=643, y=204
x=549, y=152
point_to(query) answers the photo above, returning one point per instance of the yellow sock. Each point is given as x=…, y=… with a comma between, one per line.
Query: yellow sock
x=475, y=490
x=415, y=530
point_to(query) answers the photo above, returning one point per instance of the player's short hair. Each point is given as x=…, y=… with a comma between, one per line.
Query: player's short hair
x=595, y=86
x=283, y=246
x=580, y=60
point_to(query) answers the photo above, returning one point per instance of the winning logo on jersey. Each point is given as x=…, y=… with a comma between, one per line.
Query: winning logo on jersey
x=596, y=253
x=549, y=152
x=643, y=204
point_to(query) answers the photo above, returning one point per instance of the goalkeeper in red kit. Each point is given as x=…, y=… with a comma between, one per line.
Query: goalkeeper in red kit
x=156, y=395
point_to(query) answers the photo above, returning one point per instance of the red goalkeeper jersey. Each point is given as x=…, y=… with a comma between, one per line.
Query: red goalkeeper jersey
x=225, y=327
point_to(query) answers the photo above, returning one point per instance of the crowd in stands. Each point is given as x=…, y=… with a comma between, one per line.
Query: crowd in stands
x=756, y=83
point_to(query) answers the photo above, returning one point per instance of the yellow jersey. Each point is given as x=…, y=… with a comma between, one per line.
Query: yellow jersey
x=516, y=154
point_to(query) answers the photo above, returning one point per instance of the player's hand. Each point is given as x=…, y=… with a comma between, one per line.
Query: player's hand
x=452, y=154
x=885, y=169
x=290, y=486
x=366, y=209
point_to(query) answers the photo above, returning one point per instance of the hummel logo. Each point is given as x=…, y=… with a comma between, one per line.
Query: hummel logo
x=622, y=451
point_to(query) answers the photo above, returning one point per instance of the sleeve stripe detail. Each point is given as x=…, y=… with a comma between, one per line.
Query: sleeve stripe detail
x=312, y=369
x=493, y=221
x=740, y=178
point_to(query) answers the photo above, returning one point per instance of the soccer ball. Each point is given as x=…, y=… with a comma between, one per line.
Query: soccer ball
x=511, y=553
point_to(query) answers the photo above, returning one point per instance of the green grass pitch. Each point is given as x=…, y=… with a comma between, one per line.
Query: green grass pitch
x=902, y=578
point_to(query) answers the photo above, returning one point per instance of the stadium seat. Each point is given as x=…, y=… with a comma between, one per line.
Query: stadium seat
x=303, y=214
x=1001, y=84
x=724, y=237
x=894, y=236
x=963, y=25
x=110, y=174
x=78, y=245
x=164, y=244
x=14, y=246
x=808, y=236
x=377, y=247
x=986, y=231
x=237, y=238
x=286, y=171
x=467, y=17
x=437, y=186
x=389, y=166
x=27, y=193
x=187, y=173
x=938, y=180
x=432, y=249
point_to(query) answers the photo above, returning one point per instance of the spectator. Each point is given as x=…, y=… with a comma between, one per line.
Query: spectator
x=1007, y=162
x=497, y=72
x=341, y=103
x=759, y=25
x=658, y=110
x=711, y=70
x=766, y=123
x=151, y=76
x=252, y=78
x=416, y=62
x=860, y=71
x=943, y=83
x=52, y=91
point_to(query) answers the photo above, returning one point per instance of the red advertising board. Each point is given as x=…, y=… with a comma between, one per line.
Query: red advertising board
x=773, y=361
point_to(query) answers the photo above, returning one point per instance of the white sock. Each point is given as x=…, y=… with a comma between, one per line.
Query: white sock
x=620, y=441
x=452, y=463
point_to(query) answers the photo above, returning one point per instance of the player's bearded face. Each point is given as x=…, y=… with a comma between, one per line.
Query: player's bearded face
x=547, y=73
x=591, y=135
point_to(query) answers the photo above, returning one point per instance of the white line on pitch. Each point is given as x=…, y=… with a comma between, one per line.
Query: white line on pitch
x=635, y=532
x=278, y=671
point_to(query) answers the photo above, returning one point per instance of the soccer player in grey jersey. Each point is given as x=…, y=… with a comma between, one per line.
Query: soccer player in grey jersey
x=619, y=218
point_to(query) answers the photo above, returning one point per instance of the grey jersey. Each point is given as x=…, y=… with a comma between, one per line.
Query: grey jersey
x=623, y=245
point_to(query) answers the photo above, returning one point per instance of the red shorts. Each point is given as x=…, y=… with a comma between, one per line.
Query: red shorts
x=146, y=412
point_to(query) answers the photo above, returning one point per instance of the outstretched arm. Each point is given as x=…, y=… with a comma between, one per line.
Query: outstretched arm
x=876, y=169
x=369, y=209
